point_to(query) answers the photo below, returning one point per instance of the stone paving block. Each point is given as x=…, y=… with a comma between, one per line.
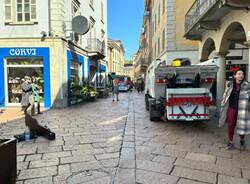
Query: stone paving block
x=186, y=181
x=73, y=159
x=82, y=166
x=64, y=169
x=47, y=149
x=82, y=147
x=164, y=159
x=19, y=182
x=154, y=166
x=154, y=144
x=20, y=158
x=147, y=177
x=125, y=176
x=200, y=157
x=110, y=162
x=107, y=156
x=180, y=147
x=192, y=174
x=231, y=180
x=129, y=138
x=33, y=157
x=111, y=149
x=56, y=155
x=246, y=173
x=25, y=151
x=220, y=153
x=38, y=172
x=84, y=177
x=169, y=152
x=22, y=165
x=211, y=167
x=44, y=163
x=128, y=144
x=88, y=152
x=144, y=156
x=232, y=163
x=127, y=159
x=104, y=180
x=47, y=180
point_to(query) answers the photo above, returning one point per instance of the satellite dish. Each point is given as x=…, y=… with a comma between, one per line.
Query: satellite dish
x=80, y=25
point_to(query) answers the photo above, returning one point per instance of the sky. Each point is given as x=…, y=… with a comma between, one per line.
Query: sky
x=124, y=23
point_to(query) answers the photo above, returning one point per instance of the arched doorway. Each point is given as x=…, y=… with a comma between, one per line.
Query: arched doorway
x=207, y=49
x=233, y=43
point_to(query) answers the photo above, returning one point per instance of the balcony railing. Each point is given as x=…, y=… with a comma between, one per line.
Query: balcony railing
x=198, y=9
x=95, y=45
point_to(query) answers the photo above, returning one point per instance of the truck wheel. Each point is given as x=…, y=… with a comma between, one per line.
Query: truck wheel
x=154, y=115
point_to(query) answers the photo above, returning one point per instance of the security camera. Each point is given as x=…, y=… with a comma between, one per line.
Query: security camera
x=43, y=33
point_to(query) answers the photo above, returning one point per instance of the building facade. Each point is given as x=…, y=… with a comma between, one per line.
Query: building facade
x=167, y=23
x=223, y=31
x=116, y=58
x=42, y=45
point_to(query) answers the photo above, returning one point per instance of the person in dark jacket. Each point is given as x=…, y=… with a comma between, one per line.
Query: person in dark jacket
x=235, y=109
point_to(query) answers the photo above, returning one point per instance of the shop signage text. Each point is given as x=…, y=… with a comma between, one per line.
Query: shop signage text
x=23, y=52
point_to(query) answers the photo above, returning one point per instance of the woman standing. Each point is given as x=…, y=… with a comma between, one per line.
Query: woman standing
x=115, y=90
x=234, y=109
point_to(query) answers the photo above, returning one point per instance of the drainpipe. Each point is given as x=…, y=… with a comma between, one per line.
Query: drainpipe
x=49, y=17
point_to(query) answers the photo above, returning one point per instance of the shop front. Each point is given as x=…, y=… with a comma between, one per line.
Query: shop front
x=75, y=75
x=15, y=64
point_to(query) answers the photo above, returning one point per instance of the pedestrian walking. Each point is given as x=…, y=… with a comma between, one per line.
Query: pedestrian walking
x=27, y=96
x=35, y=91
x=115, y=90
x=235, y=109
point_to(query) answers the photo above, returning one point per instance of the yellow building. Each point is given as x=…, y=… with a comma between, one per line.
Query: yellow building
x=167, y=20
x=116, y=56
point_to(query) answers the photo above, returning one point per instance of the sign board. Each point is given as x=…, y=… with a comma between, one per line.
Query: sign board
x=80, y=25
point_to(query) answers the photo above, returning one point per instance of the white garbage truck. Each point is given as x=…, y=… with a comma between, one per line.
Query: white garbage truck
x=179, y=93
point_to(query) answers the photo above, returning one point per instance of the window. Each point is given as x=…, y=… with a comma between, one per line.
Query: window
x=155, y=22
x=163, y=39
x=20, y=10
x=91, y=4
x=75, y=8
x=159, y=48
x=26, y=10
x=7, y=7
x=159, y=13
x=163, y=6
x=102, y=12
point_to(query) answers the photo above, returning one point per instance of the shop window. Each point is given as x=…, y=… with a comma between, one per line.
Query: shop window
x=17, y=69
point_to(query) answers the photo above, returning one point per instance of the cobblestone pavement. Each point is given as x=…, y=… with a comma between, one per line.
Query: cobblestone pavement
x=108, y=142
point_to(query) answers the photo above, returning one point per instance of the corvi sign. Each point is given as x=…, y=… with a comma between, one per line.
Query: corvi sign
x=23, y=52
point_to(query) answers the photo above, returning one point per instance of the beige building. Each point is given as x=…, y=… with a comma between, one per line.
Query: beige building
x=116, y=58
x=222, y=28
x=129, y=69
x=167, y=23
x=162, y=35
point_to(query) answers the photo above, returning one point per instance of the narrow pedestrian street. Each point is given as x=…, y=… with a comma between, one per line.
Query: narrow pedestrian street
x=114, y=142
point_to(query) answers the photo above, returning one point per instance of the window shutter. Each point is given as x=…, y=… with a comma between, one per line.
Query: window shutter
x=33, y=10
x=8, y=10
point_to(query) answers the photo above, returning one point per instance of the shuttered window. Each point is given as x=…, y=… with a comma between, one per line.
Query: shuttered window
x=8, y=11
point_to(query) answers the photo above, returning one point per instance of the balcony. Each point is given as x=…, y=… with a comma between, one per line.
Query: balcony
x=96, y=48
x=207, y=14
